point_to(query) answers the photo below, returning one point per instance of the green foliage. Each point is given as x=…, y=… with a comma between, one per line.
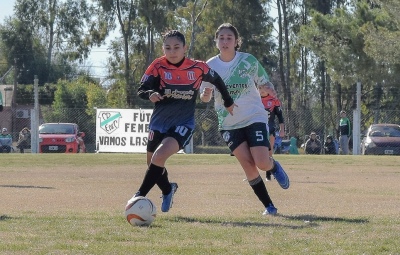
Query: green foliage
x=354, y=40
x=25, y=94
x=255, y=30
x=116, y=95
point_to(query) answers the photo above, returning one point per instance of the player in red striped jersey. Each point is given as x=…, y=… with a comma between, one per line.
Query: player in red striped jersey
x=172, y=83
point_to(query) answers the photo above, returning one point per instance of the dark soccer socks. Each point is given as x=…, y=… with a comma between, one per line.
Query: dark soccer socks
x=260, y=190
x=151, y=177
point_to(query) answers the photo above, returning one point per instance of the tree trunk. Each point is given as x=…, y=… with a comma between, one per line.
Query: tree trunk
x=287, y=49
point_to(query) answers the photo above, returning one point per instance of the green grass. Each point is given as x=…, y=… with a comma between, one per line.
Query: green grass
x=73, y=204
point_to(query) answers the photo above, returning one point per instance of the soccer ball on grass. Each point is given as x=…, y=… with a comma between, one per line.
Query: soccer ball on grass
x=140, y=211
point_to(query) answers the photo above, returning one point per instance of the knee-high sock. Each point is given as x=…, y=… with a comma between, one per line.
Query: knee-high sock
x=163, y=183
x=151, y=177
x=260, y=190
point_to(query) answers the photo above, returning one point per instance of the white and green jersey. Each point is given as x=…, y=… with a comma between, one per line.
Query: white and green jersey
x=241, y=76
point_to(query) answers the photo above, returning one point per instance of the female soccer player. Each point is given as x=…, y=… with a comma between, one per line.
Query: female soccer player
x=245, y=132
x=273, y=107
x=172, y=83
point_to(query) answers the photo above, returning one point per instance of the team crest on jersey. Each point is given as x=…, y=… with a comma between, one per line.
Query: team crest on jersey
x=191, y=75
x=144, y=78
x=226, y=136
x=269, y=104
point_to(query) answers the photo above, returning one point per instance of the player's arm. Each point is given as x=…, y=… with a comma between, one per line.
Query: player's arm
x=148, y=89
x=214, y=78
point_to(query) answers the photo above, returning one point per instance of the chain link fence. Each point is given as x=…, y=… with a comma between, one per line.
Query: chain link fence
x=206, y=138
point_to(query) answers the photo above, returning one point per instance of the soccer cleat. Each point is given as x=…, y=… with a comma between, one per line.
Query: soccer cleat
x=167, y=200
x=281, y=176
x=270, y=210
x=128, y=204
x=268, y=176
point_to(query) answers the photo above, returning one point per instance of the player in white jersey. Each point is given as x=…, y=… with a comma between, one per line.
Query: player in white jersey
x=246, y=131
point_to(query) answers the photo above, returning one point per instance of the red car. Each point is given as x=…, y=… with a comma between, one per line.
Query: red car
x=60, y=138
x=381, y=139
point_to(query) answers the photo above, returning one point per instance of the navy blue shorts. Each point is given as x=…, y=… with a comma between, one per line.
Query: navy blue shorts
x=255, y=134
x=182, y=135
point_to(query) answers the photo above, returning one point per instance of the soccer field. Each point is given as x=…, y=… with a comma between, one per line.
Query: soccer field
x=74, y=204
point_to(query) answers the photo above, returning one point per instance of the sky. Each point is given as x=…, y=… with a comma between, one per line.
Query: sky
x=97, y=59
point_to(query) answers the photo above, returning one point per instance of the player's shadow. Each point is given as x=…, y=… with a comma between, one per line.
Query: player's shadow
x=315, y=218
x=26, y=187
x=239, y=223
x=5, y=217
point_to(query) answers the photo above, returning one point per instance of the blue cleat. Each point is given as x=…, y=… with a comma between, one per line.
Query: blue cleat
x=281, y=176
x=167, y=200
x=270, y=210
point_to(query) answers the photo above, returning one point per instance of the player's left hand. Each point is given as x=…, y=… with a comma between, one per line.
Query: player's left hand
x=230, y=108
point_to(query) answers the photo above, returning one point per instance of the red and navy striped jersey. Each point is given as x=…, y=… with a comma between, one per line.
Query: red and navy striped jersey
x=273, y=106
x=180, y=87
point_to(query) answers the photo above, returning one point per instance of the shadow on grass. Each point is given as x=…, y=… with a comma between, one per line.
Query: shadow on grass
x=238, y=223
x=313, y=182
x=5, y=217
x=26, y=187
x=313, y=218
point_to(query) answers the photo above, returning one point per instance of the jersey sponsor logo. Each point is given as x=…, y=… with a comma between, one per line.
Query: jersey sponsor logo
x=191, y=75
x=177, y=94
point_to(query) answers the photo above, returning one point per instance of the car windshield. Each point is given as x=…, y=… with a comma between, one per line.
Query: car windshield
x=385, y=131
x=56, y=129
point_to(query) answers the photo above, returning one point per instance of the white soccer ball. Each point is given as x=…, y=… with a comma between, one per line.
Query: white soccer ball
x=140, y=211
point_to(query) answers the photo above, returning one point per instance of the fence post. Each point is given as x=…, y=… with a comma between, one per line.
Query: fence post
x=35, y=118
x=357, y=123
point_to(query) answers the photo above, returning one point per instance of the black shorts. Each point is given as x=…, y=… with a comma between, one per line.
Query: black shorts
x=255, y=134
x=182, y=135
x=272, y=130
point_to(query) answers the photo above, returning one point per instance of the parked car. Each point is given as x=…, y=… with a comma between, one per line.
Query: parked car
x=381, y=139
x=61, y=138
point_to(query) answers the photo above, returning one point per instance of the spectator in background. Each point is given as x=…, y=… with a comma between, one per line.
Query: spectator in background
x=5, y=141
x=23, y=139
x=313, y=144
x=329, y=145
x=345, y=133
